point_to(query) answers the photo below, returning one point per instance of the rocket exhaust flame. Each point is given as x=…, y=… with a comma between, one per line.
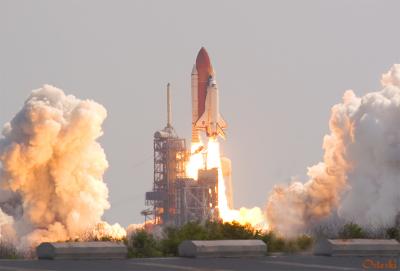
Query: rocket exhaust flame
x=51, y=159
x=212, y=159
x=196, y=160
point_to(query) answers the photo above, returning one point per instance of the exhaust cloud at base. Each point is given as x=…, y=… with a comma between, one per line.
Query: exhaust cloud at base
x=359, y=177
x=52, y=170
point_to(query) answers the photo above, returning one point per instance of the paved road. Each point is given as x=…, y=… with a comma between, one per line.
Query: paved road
x=287, y=263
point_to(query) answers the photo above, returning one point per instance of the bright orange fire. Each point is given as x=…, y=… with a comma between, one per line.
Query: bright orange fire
x=212, y=159
x=196, y=161
x=104, y=230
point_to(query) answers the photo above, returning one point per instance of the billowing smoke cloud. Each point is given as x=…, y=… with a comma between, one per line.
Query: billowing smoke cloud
x=52, y=167
x=359, y=179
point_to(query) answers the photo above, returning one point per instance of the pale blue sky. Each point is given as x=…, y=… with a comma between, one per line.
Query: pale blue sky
x=280, y=67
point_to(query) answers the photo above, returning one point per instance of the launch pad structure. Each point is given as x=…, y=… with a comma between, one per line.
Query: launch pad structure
x=176, y=199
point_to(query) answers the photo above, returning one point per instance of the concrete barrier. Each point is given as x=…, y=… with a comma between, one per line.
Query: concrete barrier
x=222, y=248
x=357, y=247
x=81, y=250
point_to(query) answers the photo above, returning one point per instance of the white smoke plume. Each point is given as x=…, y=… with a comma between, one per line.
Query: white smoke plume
x=359, y=179
x=52, y=167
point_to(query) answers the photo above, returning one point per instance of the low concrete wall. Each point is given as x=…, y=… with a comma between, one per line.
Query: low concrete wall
x=81, y=250
x=222, y=248
x=357, y=247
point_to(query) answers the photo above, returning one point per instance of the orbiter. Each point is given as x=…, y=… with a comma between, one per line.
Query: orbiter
x=205, y=99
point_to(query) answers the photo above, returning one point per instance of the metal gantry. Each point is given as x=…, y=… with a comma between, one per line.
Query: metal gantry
x=176, y=199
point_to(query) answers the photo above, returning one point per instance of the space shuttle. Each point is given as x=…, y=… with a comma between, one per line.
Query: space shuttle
x=205, y=100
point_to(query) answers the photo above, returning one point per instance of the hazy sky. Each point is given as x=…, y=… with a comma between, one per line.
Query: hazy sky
x=280, y=67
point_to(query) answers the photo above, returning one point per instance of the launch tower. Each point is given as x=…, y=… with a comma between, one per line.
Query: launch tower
x=176, y=199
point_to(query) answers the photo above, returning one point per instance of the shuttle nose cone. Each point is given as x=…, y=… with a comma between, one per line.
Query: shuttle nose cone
x=203, y=62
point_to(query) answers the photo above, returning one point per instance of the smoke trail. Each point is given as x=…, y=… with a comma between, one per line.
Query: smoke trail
x=52, y=168
x=360, y=177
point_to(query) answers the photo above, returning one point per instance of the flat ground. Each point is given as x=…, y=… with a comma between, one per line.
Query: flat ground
x=289, y=263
